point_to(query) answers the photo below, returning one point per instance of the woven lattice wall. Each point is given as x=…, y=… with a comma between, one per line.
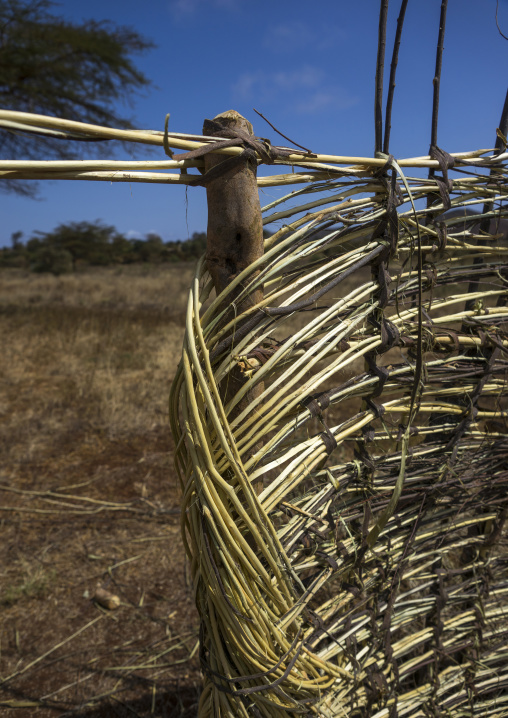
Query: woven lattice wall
x=369, y=575
x=340, y=419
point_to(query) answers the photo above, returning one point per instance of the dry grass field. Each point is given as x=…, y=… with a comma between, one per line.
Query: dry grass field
x=88, y=497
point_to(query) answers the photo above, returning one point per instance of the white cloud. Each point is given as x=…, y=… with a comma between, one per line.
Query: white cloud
x=182, y=8
x=245, y=86
x=303, y=90
x=266, y=85
x=306, y=77
x=295, y=35
x=134, y=234
x=325, y=100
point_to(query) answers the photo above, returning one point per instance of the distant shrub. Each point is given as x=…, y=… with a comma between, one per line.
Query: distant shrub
x=95, y=244
x=13, y=258
x=53, y=260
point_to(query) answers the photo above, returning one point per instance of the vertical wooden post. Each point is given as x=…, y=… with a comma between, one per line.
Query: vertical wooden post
x=235, y=227
x=234, y=237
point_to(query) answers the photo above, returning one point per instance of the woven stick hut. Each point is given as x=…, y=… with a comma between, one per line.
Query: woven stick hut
x=368, y=577
x=340, y=417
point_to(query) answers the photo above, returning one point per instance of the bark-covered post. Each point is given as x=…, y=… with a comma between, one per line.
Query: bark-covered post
x=234, y=234
x=235, y=227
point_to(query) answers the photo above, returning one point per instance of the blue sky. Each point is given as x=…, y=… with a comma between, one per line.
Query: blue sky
x=307, y=66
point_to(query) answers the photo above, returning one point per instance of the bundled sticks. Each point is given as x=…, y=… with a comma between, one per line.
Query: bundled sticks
x=317, y=166
x=369, y=576
x=340, y=416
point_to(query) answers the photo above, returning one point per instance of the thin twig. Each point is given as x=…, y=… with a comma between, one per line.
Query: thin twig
x=393, y=70
x=437, y=74
x=502, y=35
x=50, y=651
x=488, y=206
x=380, y=66
x=309, y=152
x=436, y=83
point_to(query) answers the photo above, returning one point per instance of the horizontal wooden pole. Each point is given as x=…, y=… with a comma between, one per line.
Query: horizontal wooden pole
x=183, y=141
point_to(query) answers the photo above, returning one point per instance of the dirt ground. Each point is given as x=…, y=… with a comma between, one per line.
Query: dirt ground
x=89, y=497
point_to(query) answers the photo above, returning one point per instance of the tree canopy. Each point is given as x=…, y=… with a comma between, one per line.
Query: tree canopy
x=76, y=71
x=73, y=245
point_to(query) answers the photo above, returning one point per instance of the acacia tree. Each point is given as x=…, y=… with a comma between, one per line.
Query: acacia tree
x=76, y=71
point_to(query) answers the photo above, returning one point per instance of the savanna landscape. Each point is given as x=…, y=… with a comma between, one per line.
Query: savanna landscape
x=89, y=496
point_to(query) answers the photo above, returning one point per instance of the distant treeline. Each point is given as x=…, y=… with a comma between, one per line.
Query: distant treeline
x=76, y=244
